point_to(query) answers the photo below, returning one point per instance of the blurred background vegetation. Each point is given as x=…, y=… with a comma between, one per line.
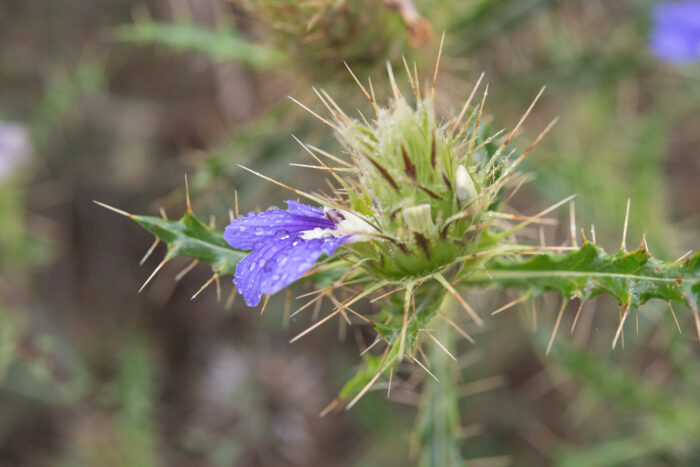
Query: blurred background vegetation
x=115, y=100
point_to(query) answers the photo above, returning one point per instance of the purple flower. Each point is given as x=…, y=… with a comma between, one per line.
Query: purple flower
x=675, y=37
x=286, y=244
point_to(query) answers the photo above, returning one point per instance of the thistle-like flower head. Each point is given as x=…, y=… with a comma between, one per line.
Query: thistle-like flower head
x=413, y=198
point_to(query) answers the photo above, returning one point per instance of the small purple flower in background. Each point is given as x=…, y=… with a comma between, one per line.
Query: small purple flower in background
x=286, y=244
x=675, y=37
x=15, y=147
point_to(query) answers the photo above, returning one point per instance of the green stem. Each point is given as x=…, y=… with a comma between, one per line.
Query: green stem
x=437, y=427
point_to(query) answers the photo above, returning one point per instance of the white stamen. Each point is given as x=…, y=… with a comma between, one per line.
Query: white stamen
x=347, y=223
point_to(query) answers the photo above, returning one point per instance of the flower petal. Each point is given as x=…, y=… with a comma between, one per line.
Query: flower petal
x=251, y=270
x=254, y=230
x=279, y=263
x=303, y=210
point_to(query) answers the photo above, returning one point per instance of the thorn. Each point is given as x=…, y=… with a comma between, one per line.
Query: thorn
x=404, y=327
x=163, y=214
x=619, y=328
x=364, y=390
x=644, y=241
x=265, y=301
x=537, y=140
x=187, y=194
x=231, y=216
x=556, y=326
x=512, y=303
x=572, y=223
x=472, y=140
x=293, y=190
x=155, y=271
x=149, y=252
x=371, y=91
x=697, y=321
x=231, y=298
x=187, y=269
x=538, y=215
x=675, y=318
x=392, y=81
x=437, y=62
x=623, y=244
x=415, y=77
x=424, y=368
x=386, y=294
x=467, y=103
x=235, y=198
x=461, y=331
x=206, y=284
x=317, y=159
x=681, y=258
x=439, y=344
x=112, y=208
x=459, y=298
x=377, y=340
x=583, y=235
x=312, y=112
x=515, y=190
x=218, y=290
x=331, y=156
x=334, y=403
x=593, y=239
x=410, y=77
x=314, y=326
x=524, y=117
x=578, y=313
x=212, y=221
x=388, y=388
x=362, y=88
x=308, y=304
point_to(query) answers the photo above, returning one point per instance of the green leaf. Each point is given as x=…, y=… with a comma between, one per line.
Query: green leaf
x=632, y=278
x=192, y=238
x=219, y=45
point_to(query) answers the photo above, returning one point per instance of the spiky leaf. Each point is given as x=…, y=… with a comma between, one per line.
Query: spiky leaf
x=192, y=238
x=632, y=278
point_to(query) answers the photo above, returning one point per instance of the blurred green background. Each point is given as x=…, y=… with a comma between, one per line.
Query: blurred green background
x=115, y=100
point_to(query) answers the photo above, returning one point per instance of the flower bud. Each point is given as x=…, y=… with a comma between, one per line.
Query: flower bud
x=464, y=185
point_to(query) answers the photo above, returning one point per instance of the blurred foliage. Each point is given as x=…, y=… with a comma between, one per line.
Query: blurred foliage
x=220, y=45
